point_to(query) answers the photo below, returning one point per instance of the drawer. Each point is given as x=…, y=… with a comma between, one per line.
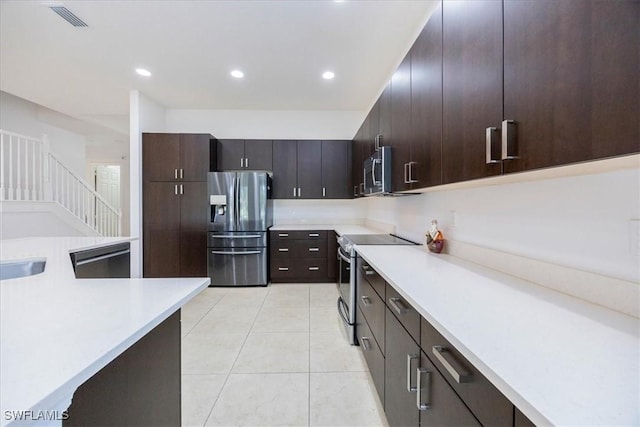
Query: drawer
x=298, y=234
x=312, y=248
x=372, y=307
x=372, y=354
x=311, y=270
x=483, y=399
x=376, y=281
x=283, y=249
x=406, y=314
x=283, y=270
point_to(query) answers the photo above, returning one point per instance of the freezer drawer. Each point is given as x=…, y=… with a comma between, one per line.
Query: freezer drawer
x=238, y=266
x=237, y=239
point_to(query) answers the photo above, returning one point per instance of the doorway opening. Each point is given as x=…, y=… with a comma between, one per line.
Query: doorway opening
x=106, y=182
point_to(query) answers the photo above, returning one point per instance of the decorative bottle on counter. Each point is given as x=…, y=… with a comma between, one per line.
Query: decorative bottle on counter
x=435, y=238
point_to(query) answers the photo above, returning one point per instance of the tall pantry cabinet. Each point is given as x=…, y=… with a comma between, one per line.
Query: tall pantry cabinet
x=175, y=204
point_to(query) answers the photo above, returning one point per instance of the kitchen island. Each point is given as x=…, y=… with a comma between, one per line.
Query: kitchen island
x=56, y=331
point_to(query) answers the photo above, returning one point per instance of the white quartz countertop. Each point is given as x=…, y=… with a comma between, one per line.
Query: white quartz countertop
x=560, y=360
x=340, y=229
x=57, y=331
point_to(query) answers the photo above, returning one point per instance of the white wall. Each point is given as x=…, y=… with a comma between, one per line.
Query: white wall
x=145, y=115
x=24, y=117
x=267, y=124
x=582, y=222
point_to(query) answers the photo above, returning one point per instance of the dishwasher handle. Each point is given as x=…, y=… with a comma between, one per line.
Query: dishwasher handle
x=102, y=257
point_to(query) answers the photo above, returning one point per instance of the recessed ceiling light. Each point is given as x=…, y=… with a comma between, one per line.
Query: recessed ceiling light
x=143, y=72
x=237, y=74
x=328, y=75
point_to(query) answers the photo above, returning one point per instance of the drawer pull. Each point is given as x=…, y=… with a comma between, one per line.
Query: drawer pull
x=314, y=249
x=365, y=343
x=314, y=235
x=398, y=305
x=365, y=300
x=369, y=272
x=427, y=387
x=314, y=268
x=460, y=376
x=283, y=268
x=283, y=250
x=411, y=357
x=283, y=234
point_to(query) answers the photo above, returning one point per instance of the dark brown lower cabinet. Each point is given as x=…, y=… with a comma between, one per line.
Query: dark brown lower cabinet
x=141, y=387
x=372, y=353
x=402, y=358
x=302, y=256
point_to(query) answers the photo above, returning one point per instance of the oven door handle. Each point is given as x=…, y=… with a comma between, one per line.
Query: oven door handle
x=344, y=258
x=341, y=310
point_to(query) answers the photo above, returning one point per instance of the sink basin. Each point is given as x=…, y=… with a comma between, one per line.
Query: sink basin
x=22, y=268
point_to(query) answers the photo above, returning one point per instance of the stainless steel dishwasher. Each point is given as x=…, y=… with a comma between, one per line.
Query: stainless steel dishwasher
x=109, y=262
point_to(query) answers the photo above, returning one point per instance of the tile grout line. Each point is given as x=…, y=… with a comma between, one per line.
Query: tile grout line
x=203, y=316
x=234, y=362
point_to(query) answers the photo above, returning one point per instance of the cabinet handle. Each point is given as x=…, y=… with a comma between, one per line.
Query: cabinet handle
x=365, y=300
x=427, y=405
x=175, y=174
x=398, y=305
x=314, y=235
x=246, y=162
x=406, y=180
x=294, y=191
x=361, y=187
x=181, y=173
x=314, y=268
x=175, y=189
x=324, y=192
x=378, y=142
x=460, y=376
x=509, y=142
x=181, y=189
x=490, y=134
x=410, y=358
x=283, y=250
x=283, y=268
x=283, y=234
x=241, y=162
x=298, y=191
x=365, y=343
x=355, y=191
x=411, y=180
x=314, y=249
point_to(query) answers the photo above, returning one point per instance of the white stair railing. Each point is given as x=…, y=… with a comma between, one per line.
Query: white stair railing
x=30, y=172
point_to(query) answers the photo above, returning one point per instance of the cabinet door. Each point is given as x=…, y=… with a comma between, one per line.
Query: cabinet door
x=384, y=126
x=357, y=162
x=161, y=238
x=310, y=169
x=285, y=169
x=401, y=351
x=401, y=123
x=426, y=105
x=374, y=122
x=194, y=208
x=194, y=157
x=446, y=409
x=258, y=154
x=161, y=156
x=230, y=154
x=571, y=80
x=336, y=169
x=472, y=86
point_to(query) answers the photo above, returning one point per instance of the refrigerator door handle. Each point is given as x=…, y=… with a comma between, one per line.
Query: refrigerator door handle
x=233, y=253
x=244, y=236
x=236, y=196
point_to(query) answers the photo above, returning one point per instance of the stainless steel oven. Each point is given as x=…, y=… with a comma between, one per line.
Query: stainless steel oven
x=347, y=278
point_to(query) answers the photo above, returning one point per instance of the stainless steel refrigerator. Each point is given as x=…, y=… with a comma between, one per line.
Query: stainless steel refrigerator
x=241, y=213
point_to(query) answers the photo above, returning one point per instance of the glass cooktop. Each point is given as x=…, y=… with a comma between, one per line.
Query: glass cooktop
x=376, y=239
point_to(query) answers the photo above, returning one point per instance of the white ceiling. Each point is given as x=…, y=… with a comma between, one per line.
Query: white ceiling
x=191, y=46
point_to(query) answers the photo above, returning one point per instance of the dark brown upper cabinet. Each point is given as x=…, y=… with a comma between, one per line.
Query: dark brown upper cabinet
x=472, y=86
x=400, y=123
x=297, y=169
x=425, y=167
x=571, y=80
x=245, y=154
x=185, y=157
x=357, y=162
x=336, y=169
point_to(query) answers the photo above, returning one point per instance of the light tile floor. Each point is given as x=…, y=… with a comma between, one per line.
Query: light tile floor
x=272, y=356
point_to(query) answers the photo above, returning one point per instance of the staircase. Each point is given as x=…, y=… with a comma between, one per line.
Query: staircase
x=29, y=172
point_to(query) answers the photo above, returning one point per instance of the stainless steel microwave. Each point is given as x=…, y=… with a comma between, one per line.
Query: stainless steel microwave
x=377, y=173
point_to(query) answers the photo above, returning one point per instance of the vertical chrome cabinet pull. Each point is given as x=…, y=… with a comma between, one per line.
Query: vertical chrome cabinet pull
x=355, y=191
x=509, y=140
x=411, y=357
x=410, y=167
x=241, y=162
x=365, y=343
x=491, y=134
x=175, y=189
x=294, y=191
x=298, y=191
x=460, y=376
x=427, y=393
x=398, y=305
x=181, y=189
x=361, y=187
x=405, y=167
x=324, y=192
x=181, y=173
x=246, y=162
x=175, y=174
x=378, y=142
x=365, y=300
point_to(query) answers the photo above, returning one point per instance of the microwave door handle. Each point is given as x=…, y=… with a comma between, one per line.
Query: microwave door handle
x=373, y=172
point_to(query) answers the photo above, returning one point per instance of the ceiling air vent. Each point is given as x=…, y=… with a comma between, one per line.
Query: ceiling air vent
x=69, y=16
